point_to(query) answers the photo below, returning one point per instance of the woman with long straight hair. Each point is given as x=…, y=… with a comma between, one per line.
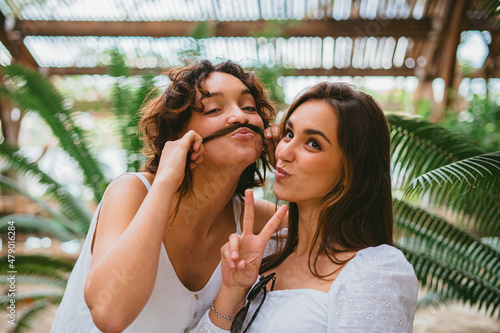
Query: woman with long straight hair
x=338, y=270
x=151, y=259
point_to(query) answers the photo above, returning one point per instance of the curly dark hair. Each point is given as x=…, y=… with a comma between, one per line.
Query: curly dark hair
x=164, y=117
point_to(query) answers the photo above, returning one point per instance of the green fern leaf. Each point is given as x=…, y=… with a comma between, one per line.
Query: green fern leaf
x=469, y=186
x=450, y=281
x=418, y=146
x=421, y=231
x=62, y=219
x=72, y=208
x=36, y=224
x=31, y=91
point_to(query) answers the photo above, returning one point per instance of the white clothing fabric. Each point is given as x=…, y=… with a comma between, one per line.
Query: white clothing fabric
x=375, y=292
x=171, y=307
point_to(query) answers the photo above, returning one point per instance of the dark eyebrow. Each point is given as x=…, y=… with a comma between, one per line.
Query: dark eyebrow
x=246, y=92
x=310, y=131
x=214, y=94
x=220, y=94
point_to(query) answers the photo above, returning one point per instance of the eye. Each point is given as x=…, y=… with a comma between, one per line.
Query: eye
x=314, y=144
x=211, y=111
x=288, y=134
x=250, y=108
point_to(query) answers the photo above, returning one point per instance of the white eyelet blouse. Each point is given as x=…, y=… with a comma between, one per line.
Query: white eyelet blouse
x=375, y=292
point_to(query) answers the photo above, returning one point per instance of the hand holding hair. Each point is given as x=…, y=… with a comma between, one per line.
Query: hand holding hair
x=177, y=155
x=272, y=137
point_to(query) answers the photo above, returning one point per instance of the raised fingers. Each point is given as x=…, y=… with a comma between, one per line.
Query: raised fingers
x=273, y=223
x=248, y=217
x=234, y=242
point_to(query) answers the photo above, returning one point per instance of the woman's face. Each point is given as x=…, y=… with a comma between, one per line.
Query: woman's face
x=229, y=102
x=308, y=157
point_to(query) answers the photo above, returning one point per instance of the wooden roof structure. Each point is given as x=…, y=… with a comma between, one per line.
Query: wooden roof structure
x=306, y=37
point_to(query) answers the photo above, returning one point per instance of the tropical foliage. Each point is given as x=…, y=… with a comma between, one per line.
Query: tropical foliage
x=31, y=91
x=450, y=196
x=65, y=217
x=126, y=102
x=491, y=8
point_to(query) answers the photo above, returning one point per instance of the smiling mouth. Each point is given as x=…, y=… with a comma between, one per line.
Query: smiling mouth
x=239, y=129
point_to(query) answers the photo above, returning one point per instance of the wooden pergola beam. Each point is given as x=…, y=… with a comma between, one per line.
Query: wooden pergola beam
x=447, y=61
x=403, y=71
x=306, y=28
x=13, y=41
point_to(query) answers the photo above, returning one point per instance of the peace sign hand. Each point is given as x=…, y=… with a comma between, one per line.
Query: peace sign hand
x=242, y=255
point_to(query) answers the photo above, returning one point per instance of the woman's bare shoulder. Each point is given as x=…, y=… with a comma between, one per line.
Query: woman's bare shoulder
x=121, y=202
x=128, y=185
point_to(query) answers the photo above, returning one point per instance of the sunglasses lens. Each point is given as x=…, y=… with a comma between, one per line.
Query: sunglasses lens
x=239, y=319
x=259, y=286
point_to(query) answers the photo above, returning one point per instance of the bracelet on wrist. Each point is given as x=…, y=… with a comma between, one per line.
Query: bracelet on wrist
x=218, y=314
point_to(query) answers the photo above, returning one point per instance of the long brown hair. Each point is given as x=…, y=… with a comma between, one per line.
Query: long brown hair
x=164, y=117
x=356, y=213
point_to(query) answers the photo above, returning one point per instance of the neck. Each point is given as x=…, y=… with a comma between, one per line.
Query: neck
x=200, y=208
x=308, y=223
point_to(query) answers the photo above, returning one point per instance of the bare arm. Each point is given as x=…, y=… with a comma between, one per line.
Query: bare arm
x=129, y=236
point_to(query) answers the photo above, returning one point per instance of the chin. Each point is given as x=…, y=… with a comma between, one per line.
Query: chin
x=281, y=193
x=250, y=155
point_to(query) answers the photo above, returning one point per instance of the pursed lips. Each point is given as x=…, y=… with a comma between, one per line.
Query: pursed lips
x=243, y=133
x=281, y=173
x=242, y=130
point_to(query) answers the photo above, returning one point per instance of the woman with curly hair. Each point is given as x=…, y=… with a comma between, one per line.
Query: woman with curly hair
x=338, y=270
x=151, y=259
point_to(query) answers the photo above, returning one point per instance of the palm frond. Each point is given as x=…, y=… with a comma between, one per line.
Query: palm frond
x=453, y=247
x=450, y=281
x=30, y=90
x=418, y=146
x=424, y=230
x=39, y=269
x=28, y=315
x=7, y=182
x=71, y=207
x=126, y=101
x=492, y=9
x=31, y=305
x=36, y=224
x=26, y=298
x=470, y=186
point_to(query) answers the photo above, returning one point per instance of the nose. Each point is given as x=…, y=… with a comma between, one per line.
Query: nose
x=237, y=116
x=285, y=151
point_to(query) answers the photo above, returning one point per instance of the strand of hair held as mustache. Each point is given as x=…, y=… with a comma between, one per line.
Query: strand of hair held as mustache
x=231, y=128
x=222, y=132
x=219, y=133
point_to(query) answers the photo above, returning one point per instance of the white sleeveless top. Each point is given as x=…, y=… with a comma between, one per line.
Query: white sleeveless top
x=171, y=307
